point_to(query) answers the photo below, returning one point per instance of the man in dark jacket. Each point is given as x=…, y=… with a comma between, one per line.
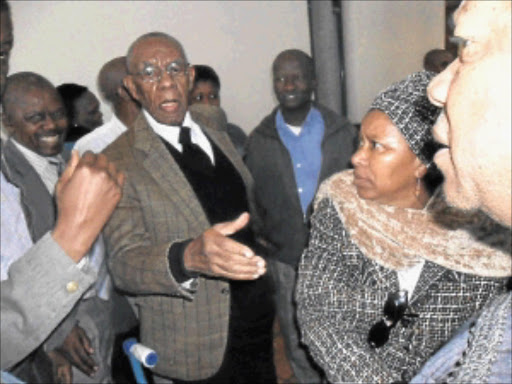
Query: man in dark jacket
x=289, y=154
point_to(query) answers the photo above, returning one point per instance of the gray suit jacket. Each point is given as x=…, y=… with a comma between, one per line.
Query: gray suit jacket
x=34, y=298
x=159, y=207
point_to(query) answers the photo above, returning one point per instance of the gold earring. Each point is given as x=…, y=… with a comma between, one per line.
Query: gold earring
x=418, y=187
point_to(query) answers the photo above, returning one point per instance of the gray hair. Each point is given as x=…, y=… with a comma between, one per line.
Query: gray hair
x=149, y=36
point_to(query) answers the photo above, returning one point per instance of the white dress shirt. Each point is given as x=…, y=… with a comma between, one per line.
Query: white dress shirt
x=171, y=133
x=100, y=138
x=408, y=278
x=45, y=166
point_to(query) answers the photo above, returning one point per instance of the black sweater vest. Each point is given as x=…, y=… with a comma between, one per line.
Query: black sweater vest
x=222, y=195
x=219, y=189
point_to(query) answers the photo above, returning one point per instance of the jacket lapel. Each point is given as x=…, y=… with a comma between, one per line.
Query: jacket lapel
x=430, y=274
x=170, y=177
x=160, y=164
x=37, y=203
x=213, y=122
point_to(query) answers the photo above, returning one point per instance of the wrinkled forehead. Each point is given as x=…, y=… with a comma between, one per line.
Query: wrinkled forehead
x=155, y=49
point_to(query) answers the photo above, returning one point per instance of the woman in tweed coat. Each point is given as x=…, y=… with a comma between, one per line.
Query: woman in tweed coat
x=377, y=293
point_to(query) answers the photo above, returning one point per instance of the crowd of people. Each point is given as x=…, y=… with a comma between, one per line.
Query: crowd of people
x=382, y=252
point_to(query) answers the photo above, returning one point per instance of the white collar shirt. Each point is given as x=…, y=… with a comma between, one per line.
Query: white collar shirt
x=408, y=278
x=171, y=133
x=47, y=167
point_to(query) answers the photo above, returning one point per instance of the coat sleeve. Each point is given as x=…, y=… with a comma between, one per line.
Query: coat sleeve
x=138, y=265
x=330, y=329
x=41, y=289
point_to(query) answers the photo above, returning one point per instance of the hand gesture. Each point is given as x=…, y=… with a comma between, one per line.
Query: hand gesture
x=86, y=194
x=77, y=349
x=215, y=254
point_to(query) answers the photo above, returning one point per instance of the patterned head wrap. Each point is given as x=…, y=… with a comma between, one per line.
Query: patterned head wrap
x=407, y=105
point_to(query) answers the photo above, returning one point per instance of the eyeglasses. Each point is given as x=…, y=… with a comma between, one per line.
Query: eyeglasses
x=153, y=74
x=394, y=311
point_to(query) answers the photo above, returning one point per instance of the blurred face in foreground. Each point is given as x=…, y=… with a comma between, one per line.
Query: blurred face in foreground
x=385, y=168
x=475, y=92
x=6, y=43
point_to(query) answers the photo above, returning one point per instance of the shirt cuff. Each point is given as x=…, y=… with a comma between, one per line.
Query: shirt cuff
x=175, y=256
x=84, y=261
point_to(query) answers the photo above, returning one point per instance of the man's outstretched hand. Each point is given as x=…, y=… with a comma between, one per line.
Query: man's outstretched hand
x=214, y=253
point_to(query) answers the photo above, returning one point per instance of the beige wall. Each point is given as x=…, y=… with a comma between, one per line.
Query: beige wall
x=384, y=42
x=69, y=41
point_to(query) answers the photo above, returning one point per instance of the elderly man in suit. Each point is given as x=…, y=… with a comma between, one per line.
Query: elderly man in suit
x=180, y=241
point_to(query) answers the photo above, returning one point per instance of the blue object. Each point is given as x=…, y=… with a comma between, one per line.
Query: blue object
x=150, y=359
x=305, y=151
x=8, y=378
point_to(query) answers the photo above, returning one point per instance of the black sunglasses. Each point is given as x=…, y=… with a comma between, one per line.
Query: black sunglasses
x=394, y=311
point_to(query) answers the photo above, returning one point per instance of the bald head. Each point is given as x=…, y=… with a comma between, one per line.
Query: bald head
x=146, y=39
x=110, y=78
x=111, y=85
x=305, y=61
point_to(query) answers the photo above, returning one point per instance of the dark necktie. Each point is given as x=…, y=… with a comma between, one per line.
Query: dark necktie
x=192, y=154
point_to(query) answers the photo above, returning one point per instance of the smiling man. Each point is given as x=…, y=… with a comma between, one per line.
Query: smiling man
x=42, y=244
x=202, y=297
x=289, y=154
x=30, y=103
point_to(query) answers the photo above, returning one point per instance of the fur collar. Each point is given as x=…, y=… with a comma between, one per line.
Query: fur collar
x=399, y=238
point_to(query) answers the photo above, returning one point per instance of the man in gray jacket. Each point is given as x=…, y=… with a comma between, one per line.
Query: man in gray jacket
x=43, y=268
x=289, y=154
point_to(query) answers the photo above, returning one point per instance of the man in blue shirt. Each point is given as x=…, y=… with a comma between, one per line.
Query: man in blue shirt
x=289, y=154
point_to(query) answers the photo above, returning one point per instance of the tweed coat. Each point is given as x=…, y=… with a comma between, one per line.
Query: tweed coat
x=341, y=293
x=188, y=330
